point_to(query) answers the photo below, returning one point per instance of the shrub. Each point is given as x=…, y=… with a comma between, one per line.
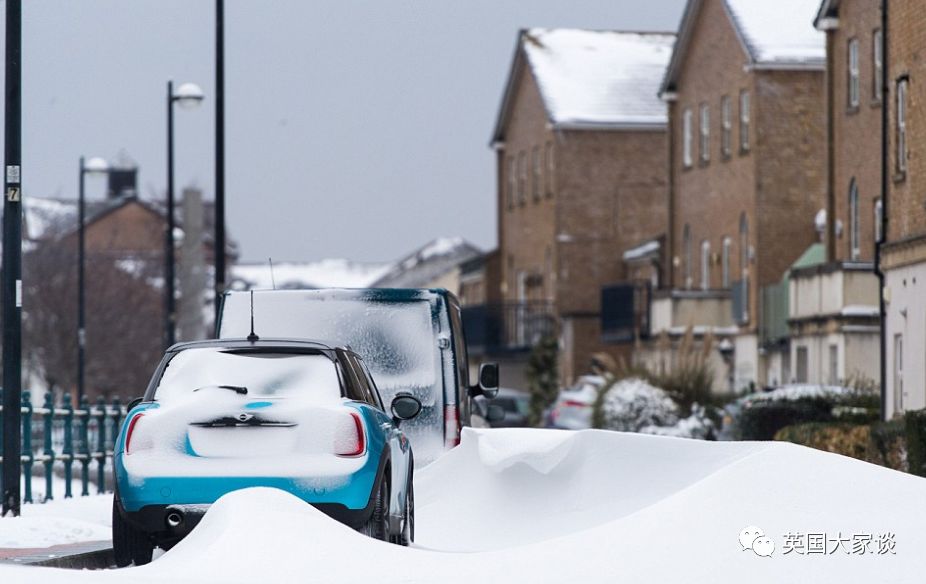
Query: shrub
x=889, y=441
x=847, y=439
x=915, y=431
x=632, y=404
x=542, y=377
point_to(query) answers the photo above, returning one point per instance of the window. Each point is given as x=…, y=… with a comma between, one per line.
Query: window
x=535, y=179
x=549, y=165
x=522, y=178
x=512, y=181
x=834, y=365
x=879, y=218
x=725, y=262
x=726, y=125
x=855, y=250
x=705, y=133
x=877, y=65
x=744, y=121
x=802, y=364
x=744, y=245
x=853, y=73
x=686, y=244
x=705, y=265
x=902, y=126
x=898, y=373
x=686, y=138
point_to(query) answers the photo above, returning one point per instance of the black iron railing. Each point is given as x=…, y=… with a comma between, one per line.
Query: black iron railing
x=507, y=326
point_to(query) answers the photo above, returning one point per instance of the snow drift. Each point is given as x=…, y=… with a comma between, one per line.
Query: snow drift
x=555, y=506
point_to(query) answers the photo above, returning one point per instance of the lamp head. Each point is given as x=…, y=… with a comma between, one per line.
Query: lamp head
x=188, y=95
x=96, y=166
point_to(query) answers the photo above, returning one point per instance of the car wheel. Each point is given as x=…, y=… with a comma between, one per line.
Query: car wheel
x=377, y=526
x=130, y=544
x=407, y=535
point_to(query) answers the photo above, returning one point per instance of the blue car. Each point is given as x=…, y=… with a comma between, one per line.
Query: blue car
x=229, y=414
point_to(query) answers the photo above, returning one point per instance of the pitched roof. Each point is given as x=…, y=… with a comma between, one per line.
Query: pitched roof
x=592, y=79
x=426, y=264
x=774, y=35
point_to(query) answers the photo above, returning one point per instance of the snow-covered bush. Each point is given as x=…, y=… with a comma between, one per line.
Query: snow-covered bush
x=632, y=404
x=698, y=425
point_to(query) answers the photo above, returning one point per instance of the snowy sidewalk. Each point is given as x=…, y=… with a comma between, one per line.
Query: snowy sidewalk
x=82, y=555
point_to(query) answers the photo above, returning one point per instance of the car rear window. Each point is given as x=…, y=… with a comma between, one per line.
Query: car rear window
x=255, y=374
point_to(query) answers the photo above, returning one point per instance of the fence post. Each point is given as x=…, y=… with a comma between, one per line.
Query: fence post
x=117, y=416
x=27, y=445
x=49, y=452
x=68, y=443
x=84, y=446
x=101, y=444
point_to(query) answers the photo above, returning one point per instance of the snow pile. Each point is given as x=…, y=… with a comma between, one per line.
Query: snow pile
x=780, y=32
x=61, y=521
x=796, y=392
x=553, y=506
x=599, y=77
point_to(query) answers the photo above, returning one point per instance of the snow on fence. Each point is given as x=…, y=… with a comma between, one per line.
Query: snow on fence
x=65, y=434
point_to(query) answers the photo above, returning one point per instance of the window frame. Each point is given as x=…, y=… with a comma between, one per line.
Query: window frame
x=512, y=182
x=705, y=264
x=522, y=178
x=687, y=158
x=745, y=120
x=853, y=74
x=877, y=64
x=550, y=170
x=726, y=247
x=686, y=245
x=855, y=232
x=726, y=126
x=901, y=126
x=879, y=220
x=535, y=174
x=704, y=133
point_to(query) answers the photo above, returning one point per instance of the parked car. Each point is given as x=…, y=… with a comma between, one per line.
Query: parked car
x=572, y=409
x=412, y=341
x=514, y=406
x=229, y=414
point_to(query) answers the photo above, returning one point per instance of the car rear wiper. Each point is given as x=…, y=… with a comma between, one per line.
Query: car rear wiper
x=236, y=388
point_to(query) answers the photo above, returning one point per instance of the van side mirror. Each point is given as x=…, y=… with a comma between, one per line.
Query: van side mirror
x=405, y=407
x=488, y=381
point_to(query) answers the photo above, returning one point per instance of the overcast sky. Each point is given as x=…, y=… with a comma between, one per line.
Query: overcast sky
x=353, y=129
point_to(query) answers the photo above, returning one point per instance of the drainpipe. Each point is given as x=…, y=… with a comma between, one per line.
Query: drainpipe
x=830, y=150
x=885, y=182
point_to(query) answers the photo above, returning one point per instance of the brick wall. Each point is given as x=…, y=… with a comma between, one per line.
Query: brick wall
x=856, y=130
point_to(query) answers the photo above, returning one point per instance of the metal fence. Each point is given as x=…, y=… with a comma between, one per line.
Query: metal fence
x=507, y=326
x=60, y=434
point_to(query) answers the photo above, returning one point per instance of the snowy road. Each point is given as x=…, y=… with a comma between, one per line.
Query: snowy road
x=552, y=506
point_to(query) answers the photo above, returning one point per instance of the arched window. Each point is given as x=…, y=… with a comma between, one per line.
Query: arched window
x=725, y=262
x=705, y=265
x=686, y=250
x=744, y=244
x=855, y=248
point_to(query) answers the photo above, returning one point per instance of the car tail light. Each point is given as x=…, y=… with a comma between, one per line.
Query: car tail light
x=571, y=403
x=128, y=433
x=350, y=439
x=451, y=426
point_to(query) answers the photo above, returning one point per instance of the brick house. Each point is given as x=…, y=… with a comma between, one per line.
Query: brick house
x=581, y=151
x=903, y=251
x=745, y=89
x=834, y=322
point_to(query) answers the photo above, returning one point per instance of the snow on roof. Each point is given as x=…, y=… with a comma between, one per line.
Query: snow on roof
x=780, y=32
x=642, y=250
x=428, y=263
x=327, y=273
x=599, y=77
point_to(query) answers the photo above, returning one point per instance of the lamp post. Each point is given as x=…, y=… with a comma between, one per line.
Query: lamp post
x=187, y=96
x=219, y=250
x=95, y=166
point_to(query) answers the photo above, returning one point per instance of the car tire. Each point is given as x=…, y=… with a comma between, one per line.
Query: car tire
x=130, y=544
x=377, y=526
x=407, y=535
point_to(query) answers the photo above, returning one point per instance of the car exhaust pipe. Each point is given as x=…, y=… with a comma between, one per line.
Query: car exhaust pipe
x=174, y=518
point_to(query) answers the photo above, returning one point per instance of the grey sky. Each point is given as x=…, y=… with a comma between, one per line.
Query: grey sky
x=354, y=129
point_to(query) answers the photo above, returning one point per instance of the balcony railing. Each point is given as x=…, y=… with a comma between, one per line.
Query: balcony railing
x=507, y=326
x=625, y=312
x=64, y=435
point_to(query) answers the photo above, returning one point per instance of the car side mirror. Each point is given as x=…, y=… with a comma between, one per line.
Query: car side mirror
x=495, y=413
x=405, y=407
x=488, y=381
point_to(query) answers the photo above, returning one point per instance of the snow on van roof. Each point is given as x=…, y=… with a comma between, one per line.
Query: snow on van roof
x=327, y=273
x=599, y=77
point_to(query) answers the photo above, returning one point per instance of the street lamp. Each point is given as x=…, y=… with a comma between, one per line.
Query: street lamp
x=96, y=167
x=187, y=96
